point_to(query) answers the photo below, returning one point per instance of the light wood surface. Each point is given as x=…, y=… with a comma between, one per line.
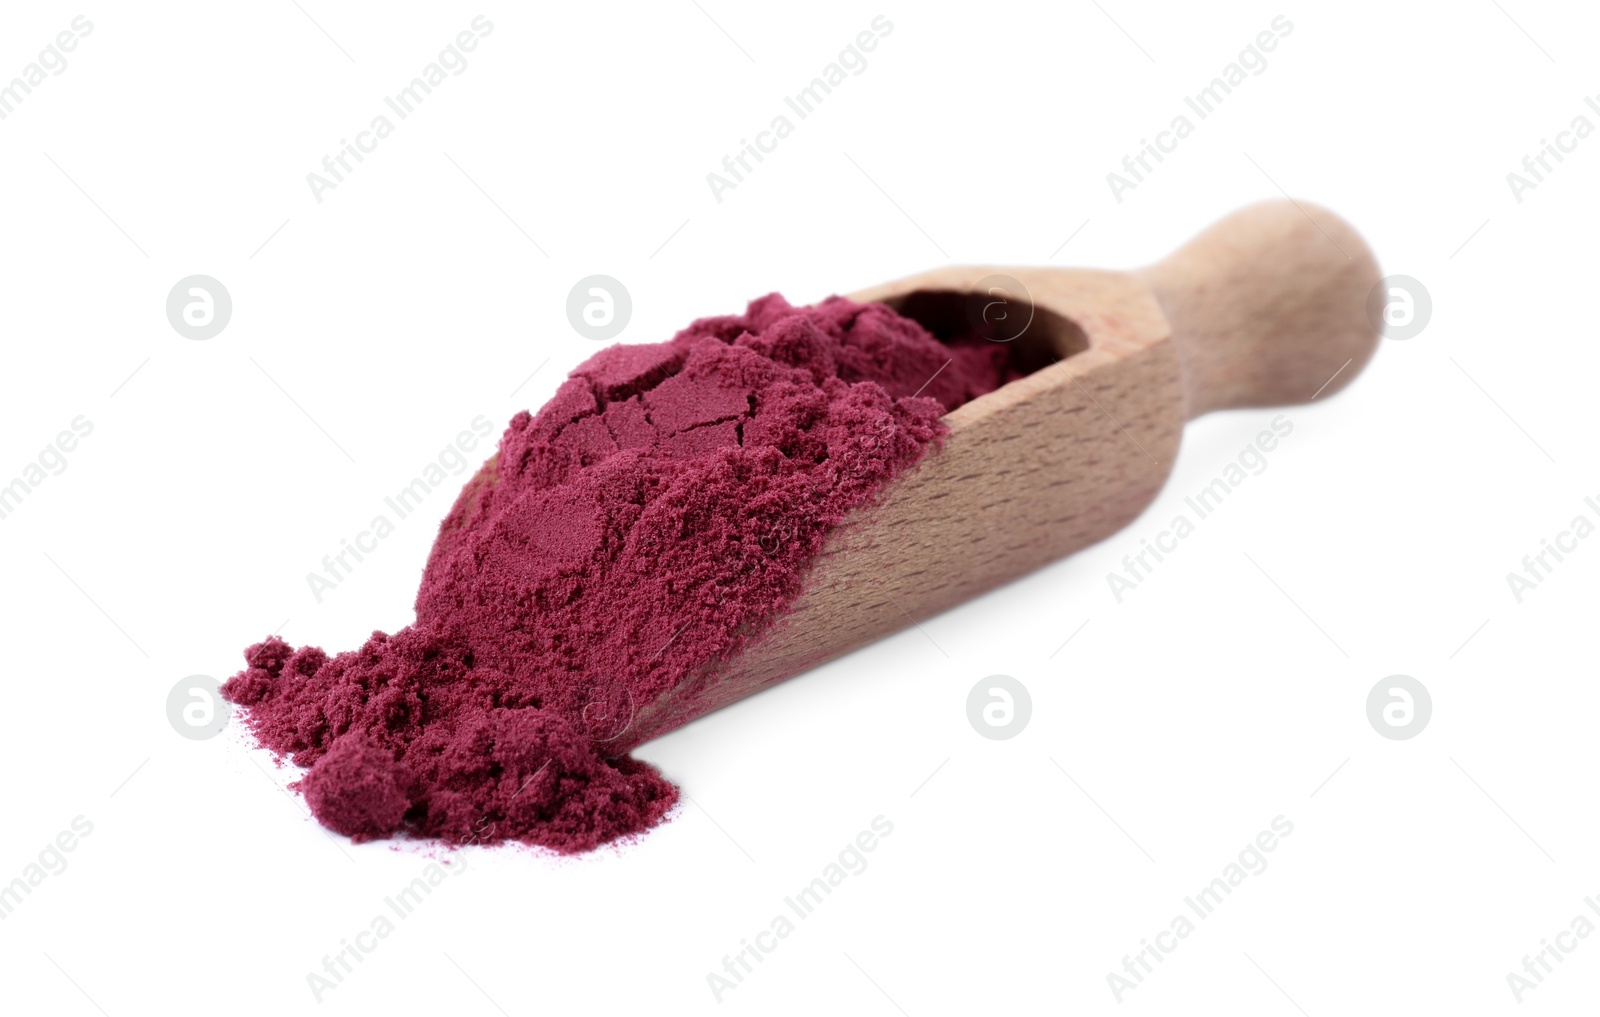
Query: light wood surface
x=1267, y=307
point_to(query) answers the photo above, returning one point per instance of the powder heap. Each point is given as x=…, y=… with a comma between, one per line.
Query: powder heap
x=655, y=515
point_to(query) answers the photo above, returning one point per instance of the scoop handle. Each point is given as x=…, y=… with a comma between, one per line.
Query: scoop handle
x=1268, y=307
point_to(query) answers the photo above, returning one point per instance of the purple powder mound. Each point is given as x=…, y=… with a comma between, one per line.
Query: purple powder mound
x=659, y=511
x=357, y=789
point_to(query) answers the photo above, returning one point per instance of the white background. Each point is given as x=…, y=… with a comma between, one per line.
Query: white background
x=373, y=326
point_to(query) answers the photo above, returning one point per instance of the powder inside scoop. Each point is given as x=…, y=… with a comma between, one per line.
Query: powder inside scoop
x=660, y=510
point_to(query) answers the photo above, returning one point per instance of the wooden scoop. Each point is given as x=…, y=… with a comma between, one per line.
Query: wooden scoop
x=1265, y=308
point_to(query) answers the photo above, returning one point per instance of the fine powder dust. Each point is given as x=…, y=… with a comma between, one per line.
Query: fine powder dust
x=660, y=510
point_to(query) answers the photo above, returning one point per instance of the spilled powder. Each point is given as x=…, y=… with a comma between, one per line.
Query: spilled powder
x=657, y=513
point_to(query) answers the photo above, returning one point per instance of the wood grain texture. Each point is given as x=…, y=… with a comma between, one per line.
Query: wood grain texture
x=1265, y=308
